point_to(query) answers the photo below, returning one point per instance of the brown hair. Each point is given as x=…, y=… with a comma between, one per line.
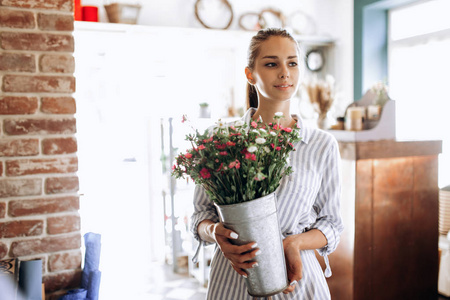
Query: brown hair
x=253, y=51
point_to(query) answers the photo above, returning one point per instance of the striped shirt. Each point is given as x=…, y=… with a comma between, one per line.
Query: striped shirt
x=306, y=199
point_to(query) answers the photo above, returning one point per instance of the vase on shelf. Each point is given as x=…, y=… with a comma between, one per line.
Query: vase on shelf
x=204, y=111
x=257, y=221
x=323, y=122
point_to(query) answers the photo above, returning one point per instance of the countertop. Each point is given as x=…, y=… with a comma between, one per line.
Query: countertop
x=388, y=149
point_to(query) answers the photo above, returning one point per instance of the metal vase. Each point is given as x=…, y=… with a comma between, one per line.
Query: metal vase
x=257, y=221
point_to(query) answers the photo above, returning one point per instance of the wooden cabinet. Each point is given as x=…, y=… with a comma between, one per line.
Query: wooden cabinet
x=389, y=248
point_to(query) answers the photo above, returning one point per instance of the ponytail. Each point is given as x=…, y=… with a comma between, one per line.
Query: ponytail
x=252, y=96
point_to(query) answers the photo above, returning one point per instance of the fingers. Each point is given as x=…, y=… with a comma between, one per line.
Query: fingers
x=240, y=271
x=241, y=262
x=222, y=231
x=291, y=287
x=223, y=237
x=241, y=257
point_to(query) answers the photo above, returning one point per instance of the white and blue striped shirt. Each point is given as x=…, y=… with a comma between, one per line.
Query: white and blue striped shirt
x=308, y=198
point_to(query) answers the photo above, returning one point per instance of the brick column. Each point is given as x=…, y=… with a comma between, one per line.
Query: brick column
x=38, y=163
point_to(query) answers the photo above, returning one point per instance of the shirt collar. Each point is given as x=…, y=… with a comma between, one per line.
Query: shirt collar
x=303, y=132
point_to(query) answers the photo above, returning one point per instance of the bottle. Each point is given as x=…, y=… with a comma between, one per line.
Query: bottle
x=77, y=15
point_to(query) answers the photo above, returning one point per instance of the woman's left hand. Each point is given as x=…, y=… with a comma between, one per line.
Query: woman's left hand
x=293, y=262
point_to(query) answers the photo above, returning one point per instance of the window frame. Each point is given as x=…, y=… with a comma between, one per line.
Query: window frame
x=370, y=42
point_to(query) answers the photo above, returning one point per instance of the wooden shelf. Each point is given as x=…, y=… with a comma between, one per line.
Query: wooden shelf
x=388, y=149
x=315, y=40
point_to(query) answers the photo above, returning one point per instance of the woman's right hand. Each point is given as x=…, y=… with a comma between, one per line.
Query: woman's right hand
x=239, y=256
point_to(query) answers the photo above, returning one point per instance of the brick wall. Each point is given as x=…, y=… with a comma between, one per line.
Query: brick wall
x=38, y=163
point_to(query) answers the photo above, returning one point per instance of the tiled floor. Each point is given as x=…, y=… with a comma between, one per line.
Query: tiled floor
x=165, y=285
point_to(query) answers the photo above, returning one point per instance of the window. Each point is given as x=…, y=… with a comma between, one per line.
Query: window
x=418, y=67
x=419, y=19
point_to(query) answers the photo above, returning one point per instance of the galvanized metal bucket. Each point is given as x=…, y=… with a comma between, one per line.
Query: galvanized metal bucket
x=257, y=221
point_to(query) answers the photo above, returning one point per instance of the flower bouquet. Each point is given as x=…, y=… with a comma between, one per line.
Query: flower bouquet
x=240, y=166
x=238, y=162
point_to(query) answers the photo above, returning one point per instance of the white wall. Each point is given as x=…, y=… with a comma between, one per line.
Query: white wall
x=333, y=18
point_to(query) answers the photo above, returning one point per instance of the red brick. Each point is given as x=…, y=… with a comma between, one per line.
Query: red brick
x=2, y=209
x=3, y=250
x=21, y=167
x=60, y=5
x=19, y=208
x=62, y=281
x=21, y=228
x=19, y=147
x=16, y=18
x=38, y=84
x=57, y=22
x=1, y=168
x=63, y=224
x=12, y=105
x=57, y=63
x=17, y=62
x=37, y=41
x=45, y=245
x=59, y=146
x=20, y=187
x=58, y=185
x=58, y=105
x=64, y=261
x=39, y=126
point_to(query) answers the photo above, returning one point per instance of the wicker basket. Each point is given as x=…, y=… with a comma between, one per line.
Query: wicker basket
x=122, y=13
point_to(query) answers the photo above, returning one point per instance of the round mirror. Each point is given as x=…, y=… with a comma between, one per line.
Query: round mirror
x=315, y=60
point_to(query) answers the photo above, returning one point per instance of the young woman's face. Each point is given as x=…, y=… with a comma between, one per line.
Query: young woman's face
x=276, y=71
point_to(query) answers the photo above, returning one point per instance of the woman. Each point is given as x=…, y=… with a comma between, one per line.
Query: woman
x=308, y=200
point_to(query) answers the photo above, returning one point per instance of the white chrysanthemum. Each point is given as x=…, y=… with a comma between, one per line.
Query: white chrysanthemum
x=267, y=149
x=273, y=133
x=220, y=123
x=239, y=123
x=279, y=114
x=262, y=130
x=252, y=149
x=260, y=140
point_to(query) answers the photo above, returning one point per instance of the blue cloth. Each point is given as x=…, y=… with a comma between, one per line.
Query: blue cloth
x=92, y=257
x=79, y=294
x=94, y=285
x=90, y=278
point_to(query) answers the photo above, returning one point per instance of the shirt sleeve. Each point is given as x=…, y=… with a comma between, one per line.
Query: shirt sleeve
x=327, y=203
x=203, y=209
